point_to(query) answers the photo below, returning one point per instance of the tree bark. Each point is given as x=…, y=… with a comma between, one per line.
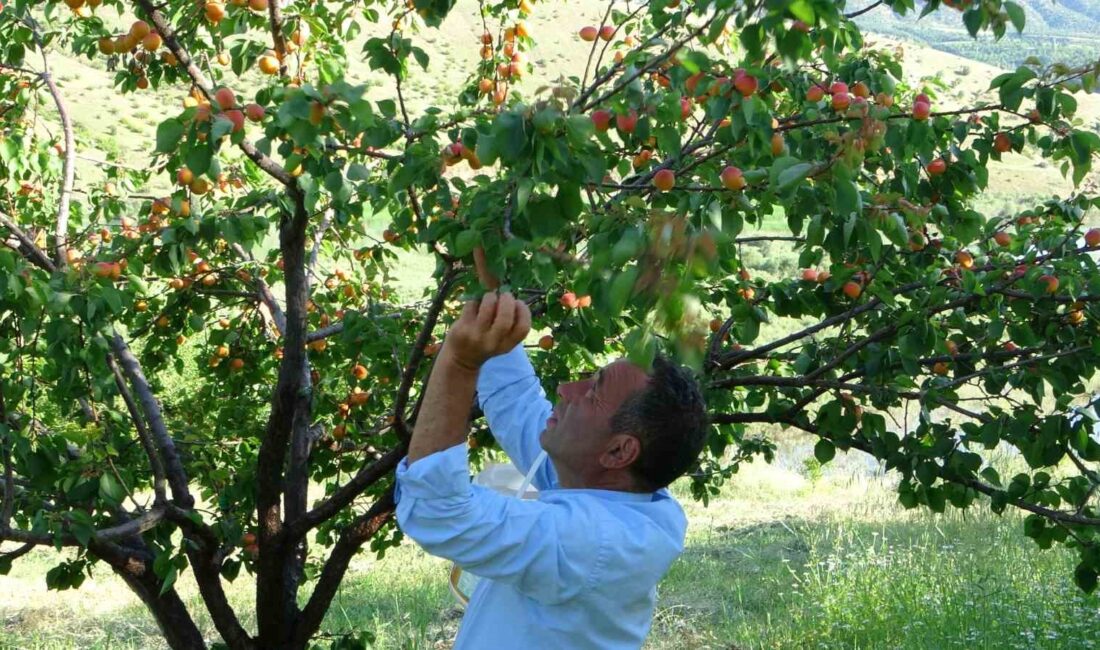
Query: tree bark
x=276, y=588
x=168, y=610
x=177, y=475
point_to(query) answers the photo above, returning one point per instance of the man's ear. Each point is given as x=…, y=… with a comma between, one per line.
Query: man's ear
x=621, y=451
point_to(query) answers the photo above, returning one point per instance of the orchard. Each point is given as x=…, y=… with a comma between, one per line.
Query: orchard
x=617, y=203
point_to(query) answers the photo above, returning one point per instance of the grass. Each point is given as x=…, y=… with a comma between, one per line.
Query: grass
x=787, y=556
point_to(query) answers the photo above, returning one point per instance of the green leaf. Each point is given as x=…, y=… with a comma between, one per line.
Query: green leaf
x=511, y=138
x=169, y=579
x=848, y=199
x=421, y=57
x=973, y=21
x=824, y=451
x=927, y=472
x=621, y=289
x=358, y=172
x=466, y=241
x=110, y=489
x=893, y=226
x=545, y=217
x=937, y=499
x=198, y=158
x=1016, y=15
x=169, y=133
x=803, y=10
x=523, y=192
x=222, y=127
x=793, y=174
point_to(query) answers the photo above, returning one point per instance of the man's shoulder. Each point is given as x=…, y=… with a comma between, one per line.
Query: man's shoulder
x=621, y=510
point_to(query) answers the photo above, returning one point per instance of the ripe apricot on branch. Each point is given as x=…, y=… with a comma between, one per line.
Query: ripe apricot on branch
x=664, y=180
x=601, y=119
x=214, y=11
x=254, y=112
x=1092, y=238
x=921, y=111
x=1050, y=281
x=225, y=98
x=627, y=122
x=268, y=64
x=732, y=178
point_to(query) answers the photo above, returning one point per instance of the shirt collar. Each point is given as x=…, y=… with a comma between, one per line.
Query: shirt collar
x=609, y=495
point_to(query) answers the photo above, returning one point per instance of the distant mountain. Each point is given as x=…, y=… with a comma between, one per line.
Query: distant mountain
x=1063, y=31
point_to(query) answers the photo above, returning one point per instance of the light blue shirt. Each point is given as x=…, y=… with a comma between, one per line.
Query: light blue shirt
x=575, y=569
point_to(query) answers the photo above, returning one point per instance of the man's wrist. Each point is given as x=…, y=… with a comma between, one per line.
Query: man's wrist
x=454, y=362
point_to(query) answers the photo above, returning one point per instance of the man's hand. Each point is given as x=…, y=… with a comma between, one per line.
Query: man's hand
x=486, y=329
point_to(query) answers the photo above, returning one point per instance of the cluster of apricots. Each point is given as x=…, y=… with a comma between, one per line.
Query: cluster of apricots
x=510, y=62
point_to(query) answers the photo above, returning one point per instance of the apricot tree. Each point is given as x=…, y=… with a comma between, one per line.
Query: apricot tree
x=617, y=201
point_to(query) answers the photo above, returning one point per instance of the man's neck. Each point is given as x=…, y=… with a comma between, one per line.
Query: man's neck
x=615, y=481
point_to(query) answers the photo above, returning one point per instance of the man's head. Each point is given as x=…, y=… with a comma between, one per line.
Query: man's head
x=625, y=429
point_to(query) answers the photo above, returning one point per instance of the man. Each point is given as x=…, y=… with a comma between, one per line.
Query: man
x=577, y=568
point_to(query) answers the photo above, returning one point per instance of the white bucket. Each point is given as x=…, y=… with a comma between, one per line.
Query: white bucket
x=507, y=480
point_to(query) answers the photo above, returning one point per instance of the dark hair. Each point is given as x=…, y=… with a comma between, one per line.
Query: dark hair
x=669, y=419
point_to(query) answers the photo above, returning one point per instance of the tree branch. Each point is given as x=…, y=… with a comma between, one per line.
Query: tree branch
x=361, y=529
x=7, y=506
x=131, y=528
x=347, y=493
x=166, y=32
x=264, y=292
x=61, y=232
x=177, y=476
x=857, y=14
x=33, y=253
x=205, y=559
x=155, y=464
x=408, y=375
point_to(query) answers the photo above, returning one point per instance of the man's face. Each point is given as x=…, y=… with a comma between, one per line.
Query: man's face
x=579, y=429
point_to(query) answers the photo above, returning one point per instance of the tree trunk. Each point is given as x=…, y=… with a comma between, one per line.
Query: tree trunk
x=169, y=611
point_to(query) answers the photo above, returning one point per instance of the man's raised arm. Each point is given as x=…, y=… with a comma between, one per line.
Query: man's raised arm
x=516, y=409
x=512, y=399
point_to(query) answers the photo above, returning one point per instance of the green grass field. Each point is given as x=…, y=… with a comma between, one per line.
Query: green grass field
x=789, y=556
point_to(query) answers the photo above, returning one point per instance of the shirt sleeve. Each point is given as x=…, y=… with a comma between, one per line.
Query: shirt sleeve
x=549, y=552
x=516, y=408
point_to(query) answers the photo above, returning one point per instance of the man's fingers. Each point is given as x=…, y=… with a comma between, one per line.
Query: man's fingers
x=469, y=311
x=488, y=311
x=522, y=321
x=505, y=317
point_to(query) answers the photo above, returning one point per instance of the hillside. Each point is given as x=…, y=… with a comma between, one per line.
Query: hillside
x=126, y=131
x=1055, y=31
